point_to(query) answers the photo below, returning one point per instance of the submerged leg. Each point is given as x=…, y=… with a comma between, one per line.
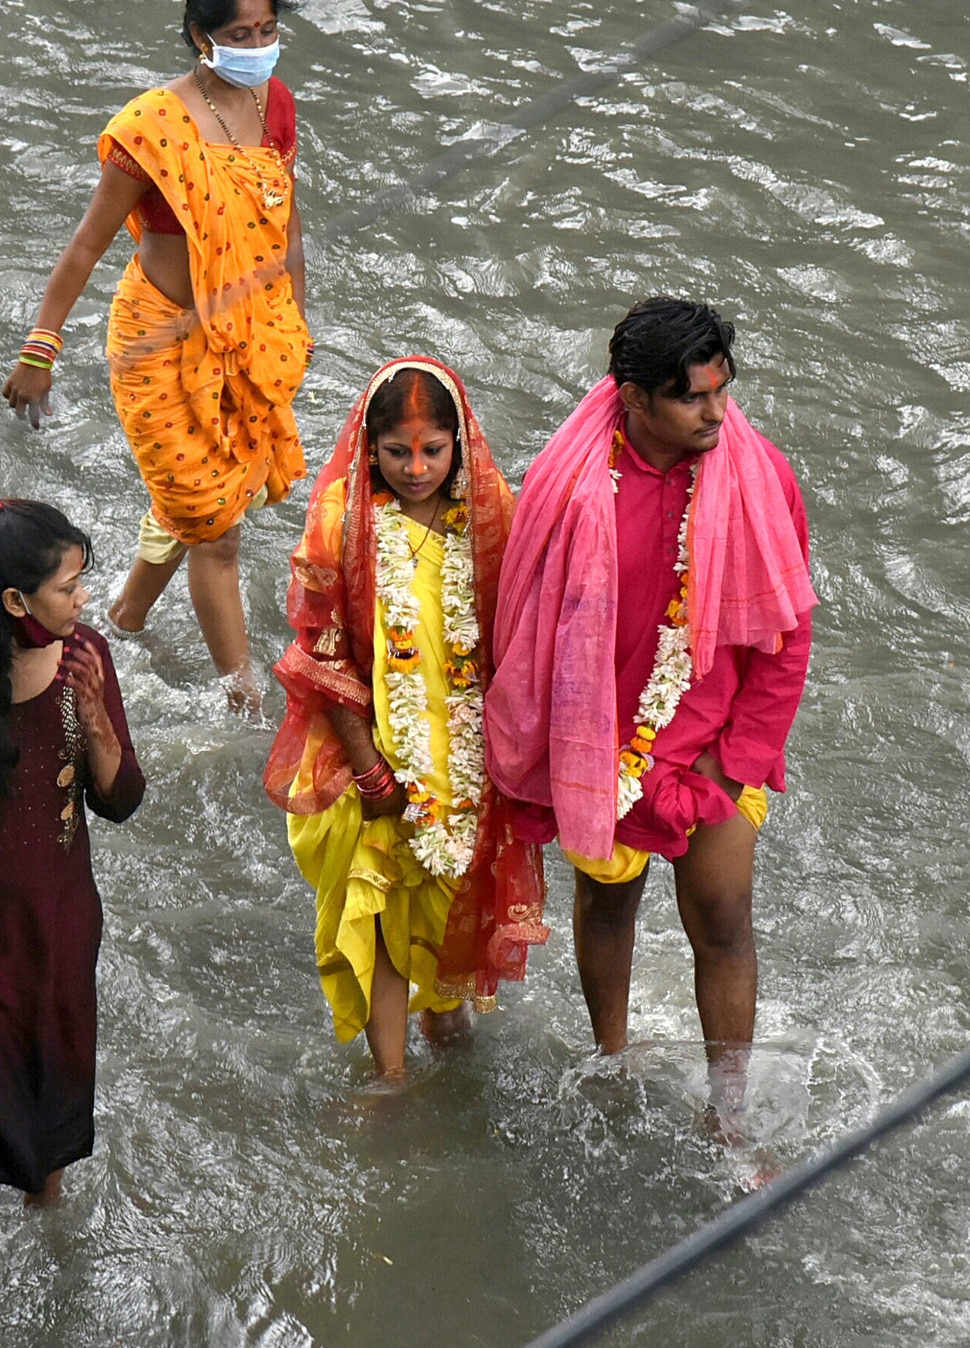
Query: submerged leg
x=146, y=582
x=714, y=893
x=50, y=1193
x=387, y=1028
x=214, y=587
x=604, y=919
x=443, y=1028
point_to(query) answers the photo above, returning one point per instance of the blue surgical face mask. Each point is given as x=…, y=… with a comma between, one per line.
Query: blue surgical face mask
x=245, y=67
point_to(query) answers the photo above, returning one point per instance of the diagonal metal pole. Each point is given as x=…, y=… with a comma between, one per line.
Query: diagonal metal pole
x=748, y=1213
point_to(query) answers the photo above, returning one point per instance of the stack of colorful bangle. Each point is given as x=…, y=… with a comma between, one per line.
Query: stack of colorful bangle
x=311, y=347
x=378, y=782
x=41, y=349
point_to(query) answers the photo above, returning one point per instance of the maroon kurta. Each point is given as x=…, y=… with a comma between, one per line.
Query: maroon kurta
x=50, y=930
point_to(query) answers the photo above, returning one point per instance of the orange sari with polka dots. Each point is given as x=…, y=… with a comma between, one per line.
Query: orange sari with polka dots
x=204, y=394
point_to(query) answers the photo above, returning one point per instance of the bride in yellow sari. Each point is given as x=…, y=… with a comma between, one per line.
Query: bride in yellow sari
x=425, y=899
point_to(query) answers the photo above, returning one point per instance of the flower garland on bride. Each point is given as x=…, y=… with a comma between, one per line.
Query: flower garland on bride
x=444, y=838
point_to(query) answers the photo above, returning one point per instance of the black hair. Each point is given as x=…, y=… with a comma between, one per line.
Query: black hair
x=213, y=14
x=390, y=406
x=660, y=338
x=33, y=540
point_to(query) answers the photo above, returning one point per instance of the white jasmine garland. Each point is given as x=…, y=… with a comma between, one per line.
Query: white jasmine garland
x=669, y=679
x=444, y=846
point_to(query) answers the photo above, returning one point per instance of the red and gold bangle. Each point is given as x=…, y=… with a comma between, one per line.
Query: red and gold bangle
x=376, y=779
x=378, y=770
x=377, y=782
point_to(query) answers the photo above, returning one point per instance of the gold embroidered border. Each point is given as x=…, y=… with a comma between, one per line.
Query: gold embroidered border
x=370, y=877
x=328, y=679
x=464, y=991
x=72, y=754
x=123, y=160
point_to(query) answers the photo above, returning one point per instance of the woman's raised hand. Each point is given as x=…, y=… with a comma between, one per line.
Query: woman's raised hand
x=28, y=392
x=82, y=670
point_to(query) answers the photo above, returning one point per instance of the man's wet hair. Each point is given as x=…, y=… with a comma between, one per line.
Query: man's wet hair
x=660, y=338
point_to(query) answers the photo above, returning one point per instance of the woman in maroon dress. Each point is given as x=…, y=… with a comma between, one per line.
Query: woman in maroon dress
x=63, y=740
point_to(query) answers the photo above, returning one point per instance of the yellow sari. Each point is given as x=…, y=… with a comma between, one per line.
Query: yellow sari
x=363, y=870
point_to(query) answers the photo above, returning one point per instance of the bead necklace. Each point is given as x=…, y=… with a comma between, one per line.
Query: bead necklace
x=273, y=194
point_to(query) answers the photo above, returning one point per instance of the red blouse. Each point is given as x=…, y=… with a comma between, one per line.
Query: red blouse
x=154, y=212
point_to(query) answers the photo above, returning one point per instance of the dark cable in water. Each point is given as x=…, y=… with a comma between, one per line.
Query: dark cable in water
x=742, y=1216
x=532, y=114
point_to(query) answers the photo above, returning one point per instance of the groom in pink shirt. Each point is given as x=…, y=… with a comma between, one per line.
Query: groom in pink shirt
x=652, y=641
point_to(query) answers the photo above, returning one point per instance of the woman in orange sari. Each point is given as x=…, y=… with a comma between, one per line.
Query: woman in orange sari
x=207, y=343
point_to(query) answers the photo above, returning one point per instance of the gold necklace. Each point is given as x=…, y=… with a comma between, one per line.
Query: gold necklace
x=427, y=533
x=273, y=194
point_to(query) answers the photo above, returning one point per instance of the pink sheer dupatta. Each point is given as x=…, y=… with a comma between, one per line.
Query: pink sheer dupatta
x=748, y=581
x=550, y=713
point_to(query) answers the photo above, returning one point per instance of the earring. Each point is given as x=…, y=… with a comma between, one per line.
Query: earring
x=459, y=485
x=372, y=458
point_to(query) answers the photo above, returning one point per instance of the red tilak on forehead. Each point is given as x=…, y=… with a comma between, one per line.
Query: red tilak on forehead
x=714, y=376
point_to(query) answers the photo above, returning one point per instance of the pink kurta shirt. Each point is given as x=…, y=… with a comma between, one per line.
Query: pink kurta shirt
x=742, y=711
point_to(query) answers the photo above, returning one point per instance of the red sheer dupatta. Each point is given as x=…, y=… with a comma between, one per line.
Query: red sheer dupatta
x=497, y=910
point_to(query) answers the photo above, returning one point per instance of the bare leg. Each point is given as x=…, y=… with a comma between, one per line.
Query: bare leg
x=50, y=1193
x=214, y=587
x=604, y=918
x=146, y=581
x=387, y=1028
x=714, y=893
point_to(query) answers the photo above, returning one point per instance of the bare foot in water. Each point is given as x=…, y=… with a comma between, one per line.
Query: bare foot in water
x=444, y=1028
x=726, y=1127
x=382, y=1097
x=243, y=693
x=116, y=628
x=49, y=1195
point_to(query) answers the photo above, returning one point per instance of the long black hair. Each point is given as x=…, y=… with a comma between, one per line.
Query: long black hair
x=33, y=540
x=660, y=338
x=213, y=14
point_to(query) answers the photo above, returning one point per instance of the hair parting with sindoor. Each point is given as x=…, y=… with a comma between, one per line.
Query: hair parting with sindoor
x=33, y=540
x=396, y=400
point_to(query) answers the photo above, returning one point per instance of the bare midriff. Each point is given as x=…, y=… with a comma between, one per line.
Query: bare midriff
x=165, y=262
